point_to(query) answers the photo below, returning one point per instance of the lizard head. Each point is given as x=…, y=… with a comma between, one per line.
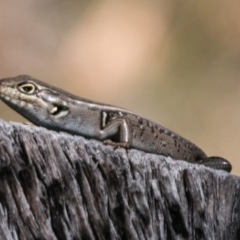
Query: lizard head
x=35, y=100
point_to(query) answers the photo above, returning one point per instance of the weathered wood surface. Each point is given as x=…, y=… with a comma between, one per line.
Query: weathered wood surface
x=58, y=186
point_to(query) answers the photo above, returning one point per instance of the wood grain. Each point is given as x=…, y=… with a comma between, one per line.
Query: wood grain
x=57, y=186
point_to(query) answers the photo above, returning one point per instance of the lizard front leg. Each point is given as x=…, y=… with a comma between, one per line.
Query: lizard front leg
x=117, y=129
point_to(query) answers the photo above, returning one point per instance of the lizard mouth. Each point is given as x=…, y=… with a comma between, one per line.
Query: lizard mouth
x=58, y=111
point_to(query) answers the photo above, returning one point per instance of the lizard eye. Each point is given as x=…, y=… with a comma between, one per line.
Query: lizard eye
x=27, y=88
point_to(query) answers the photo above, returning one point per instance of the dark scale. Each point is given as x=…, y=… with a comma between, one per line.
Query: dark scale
x=152, y=129
x=142, y=131
x=175, y=142
x=168, y=133
x=164, y=143
x=161, y=130
x=140, y=121
x=134, y=134
x=148, y=123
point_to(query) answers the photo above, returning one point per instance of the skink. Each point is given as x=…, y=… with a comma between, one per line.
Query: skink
x=55, y=109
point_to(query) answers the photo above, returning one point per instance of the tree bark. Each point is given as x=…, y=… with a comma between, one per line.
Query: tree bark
x=58, y=186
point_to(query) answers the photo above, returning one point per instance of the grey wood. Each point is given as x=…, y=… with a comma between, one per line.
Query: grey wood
x=58, y=186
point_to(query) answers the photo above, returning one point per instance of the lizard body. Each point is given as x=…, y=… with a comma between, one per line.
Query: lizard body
x=58, y=110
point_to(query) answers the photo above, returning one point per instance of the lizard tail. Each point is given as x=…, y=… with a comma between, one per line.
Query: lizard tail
x=216, y=163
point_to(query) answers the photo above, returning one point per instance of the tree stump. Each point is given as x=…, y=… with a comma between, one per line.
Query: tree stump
x=58, y=186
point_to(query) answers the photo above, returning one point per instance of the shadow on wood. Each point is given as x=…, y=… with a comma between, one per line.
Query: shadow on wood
x=58, y=186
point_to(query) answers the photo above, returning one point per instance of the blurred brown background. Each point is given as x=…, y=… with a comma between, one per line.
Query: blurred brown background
x=177, y=63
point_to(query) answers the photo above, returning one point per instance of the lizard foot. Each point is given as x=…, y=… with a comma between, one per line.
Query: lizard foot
x=116, y=144
x=28, y=124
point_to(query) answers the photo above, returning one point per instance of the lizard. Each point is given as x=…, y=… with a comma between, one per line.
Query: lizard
x=56, y=109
